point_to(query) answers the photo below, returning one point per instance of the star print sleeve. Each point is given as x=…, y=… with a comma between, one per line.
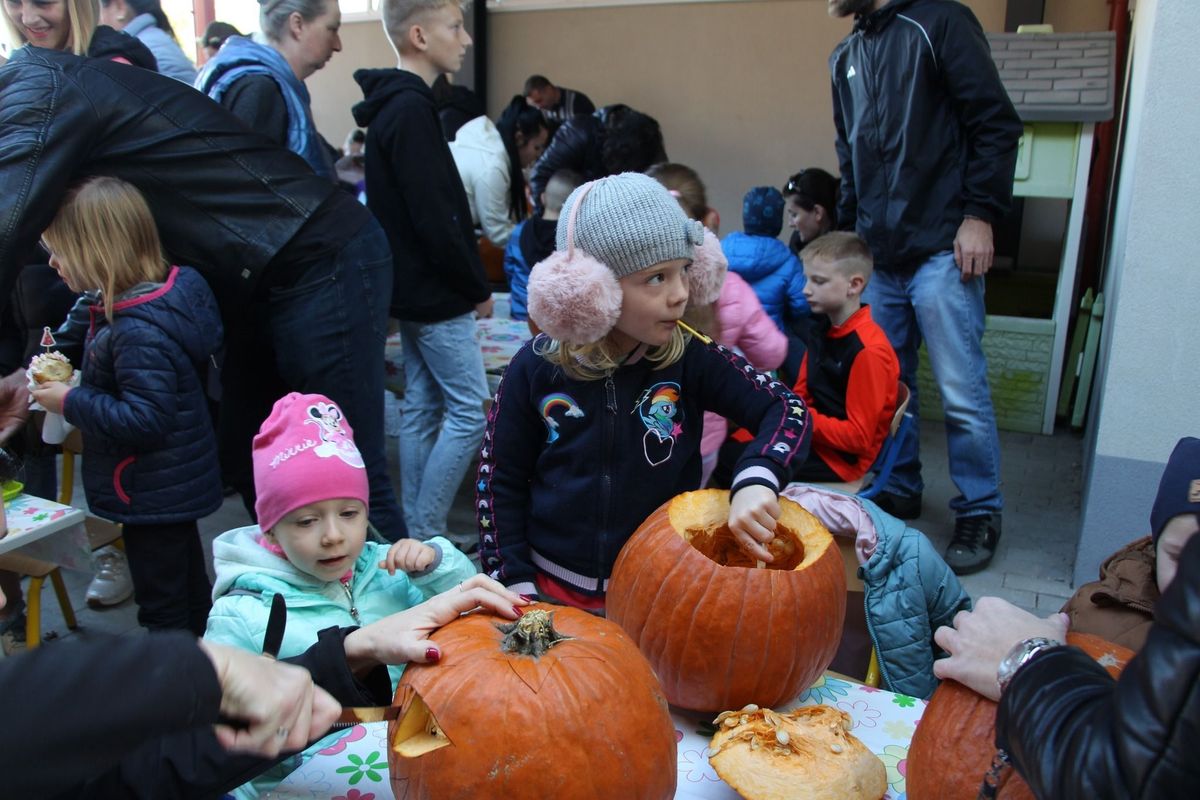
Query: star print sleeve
x=778, y=418
x=507, y=459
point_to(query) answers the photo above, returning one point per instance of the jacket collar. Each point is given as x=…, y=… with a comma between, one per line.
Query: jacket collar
x=879, y=19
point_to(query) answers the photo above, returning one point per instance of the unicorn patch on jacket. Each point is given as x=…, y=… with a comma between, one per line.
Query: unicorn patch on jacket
x=658, y=408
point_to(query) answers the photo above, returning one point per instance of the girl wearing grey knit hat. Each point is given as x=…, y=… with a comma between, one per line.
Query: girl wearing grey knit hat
x=598, y=421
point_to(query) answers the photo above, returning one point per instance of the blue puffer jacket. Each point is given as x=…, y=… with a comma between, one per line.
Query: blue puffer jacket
x=776, y=275
x=909, y=591
x=151, y=452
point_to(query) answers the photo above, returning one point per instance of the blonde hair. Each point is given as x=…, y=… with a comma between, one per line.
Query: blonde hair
x=591, y=362
x=104, y=236
x=398, y=15
x=844, y=251
x=82, y=16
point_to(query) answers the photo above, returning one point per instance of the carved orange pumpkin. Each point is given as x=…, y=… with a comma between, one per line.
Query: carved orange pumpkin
x=719, y=631
x=954, y=744
x=558, y=704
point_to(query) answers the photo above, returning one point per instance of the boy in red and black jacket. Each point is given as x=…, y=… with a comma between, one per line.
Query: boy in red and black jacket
x=850, y=375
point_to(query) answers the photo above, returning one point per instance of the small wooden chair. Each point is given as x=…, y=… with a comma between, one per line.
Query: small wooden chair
x=856, y=645
x=100, y=533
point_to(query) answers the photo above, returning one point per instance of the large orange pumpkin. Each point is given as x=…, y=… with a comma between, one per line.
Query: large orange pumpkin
x=558, y=704
x=720, y=631
x=954, y=744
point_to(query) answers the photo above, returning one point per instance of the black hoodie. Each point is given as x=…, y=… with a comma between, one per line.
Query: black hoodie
x=414, y=189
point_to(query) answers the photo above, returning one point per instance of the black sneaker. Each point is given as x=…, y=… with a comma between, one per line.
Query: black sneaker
x=974, y=543
x=902, y=506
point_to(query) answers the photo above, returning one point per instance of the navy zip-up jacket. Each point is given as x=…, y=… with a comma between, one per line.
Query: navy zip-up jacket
x=926, y=132
x=568, y=469
x=151, y=451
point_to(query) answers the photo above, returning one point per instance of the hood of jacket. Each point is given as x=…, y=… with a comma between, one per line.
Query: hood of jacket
x=240, y=562
x=182, y=306
x=480, y=134
x=755, y=257
x=110, y=44
x=379, y=86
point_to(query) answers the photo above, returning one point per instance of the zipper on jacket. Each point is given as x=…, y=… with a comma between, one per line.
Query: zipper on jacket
x=610, y=424
x=350, y=597
x=874, y=44
x=884, y=680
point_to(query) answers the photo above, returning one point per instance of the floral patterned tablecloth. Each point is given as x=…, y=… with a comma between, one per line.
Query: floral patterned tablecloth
x=355, y=767
x=47, y=530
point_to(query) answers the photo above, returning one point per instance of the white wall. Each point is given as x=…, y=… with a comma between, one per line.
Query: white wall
x=1148, y=389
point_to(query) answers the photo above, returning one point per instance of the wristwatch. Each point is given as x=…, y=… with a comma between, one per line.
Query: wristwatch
x=1020, y=655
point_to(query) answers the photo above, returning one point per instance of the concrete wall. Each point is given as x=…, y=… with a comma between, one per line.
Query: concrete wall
x=1147, y=392
x=741, y=89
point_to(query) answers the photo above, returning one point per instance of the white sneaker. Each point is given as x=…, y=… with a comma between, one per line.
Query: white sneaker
x=111, y=584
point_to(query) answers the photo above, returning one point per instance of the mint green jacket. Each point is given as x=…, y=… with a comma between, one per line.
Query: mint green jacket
x=248, y=576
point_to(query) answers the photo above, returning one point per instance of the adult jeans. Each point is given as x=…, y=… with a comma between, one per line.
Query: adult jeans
x=441, y=417
x=934, y=304
x=322, y=335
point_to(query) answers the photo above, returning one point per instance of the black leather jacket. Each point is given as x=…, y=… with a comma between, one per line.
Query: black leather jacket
x=226, y=200
x=926, y=132
x=1073, y=731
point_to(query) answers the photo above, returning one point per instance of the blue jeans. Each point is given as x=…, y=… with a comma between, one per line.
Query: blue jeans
x=441, y=417
x=934, y=305
x=322, y=335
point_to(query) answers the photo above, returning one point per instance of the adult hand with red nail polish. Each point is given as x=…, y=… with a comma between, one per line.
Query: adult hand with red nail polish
x=405, y=637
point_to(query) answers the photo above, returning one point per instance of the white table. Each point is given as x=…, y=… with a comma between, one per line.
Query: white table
x=47, y=530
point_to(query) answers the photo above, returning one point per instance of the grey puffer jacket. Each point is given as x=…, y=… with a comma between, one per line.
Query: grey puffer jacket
x=909, y=590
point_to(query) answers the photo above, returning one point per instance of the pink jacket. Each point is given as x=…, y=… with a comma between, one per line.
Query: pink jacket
x=747, y=328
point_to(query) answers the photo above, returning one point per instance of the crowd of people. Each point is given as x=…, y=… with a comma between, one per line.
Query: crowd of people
x=223, y=280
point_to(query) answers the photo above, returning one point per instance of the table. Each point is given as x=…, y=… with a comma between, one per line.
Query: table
x=354, y=766
x=47, y=530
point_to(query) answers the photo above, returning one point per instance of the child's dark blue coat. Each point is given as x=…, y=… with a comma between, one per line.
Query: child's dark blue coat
x=151, y=455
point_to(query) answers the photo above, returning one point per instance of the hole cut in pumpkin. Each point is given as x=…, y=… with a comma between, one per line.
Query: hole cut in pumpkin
x=418, y=732
x=702, y=519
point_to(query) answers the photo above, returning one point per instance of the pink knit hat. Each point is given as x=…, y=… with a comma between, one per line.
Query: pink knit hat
x=304, y=453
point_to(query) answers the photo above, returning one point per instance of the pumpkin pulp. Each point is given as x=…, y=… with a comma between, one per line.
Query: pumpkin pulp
x=702, y=520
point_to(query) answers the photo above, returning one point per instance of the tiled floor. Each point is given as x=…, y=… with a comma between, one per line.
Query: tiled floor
x=1032, y=567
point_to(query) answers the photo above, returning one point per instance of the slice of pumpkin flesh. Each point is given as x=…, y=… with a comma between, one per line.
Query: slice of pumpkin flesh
x=417, y=732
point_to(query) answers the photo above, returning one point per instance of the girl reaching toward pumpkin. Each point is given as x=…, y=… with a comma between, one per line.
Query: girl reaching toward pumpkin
x=597, y=421
x=310, y=547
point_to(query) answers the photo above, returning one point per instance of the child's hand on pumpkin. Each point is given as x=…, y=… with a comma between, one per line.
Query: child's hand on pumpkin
x=408, y=555
x=51, y=395
x=753, y=511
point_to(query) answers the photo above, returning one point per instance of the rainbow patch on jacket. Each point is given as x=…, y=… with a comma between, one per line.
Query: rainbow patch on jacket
x=553, y=402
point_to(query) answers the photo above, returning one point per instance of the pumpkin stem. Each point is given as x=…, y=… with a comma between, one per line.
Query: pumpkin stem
x=532, y=635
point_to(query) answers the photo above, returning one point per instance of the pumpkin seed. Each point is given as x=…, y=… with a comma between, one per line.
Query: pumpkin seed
x=730, y=722
x=837, y=748
x=750, y=707
x=782, y=737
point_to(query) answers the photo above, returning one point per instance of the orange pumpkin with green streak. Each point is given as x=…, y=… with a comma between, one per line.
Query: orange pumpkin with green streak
x=719, y=630
x=953, y=747
x=558, y=704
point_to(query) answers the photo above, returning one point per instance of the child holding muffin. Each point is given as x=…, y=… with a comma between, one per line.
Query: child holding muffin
x=151, y=459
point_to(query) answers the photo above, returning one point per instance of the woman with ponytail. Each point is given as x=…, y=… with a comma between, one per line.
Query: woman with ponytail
x=491, y=159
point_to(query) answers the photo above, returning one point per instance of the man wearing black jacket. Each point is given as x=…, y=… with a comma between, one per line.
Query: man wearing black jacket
x=927, y=143
x=1069, y=729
